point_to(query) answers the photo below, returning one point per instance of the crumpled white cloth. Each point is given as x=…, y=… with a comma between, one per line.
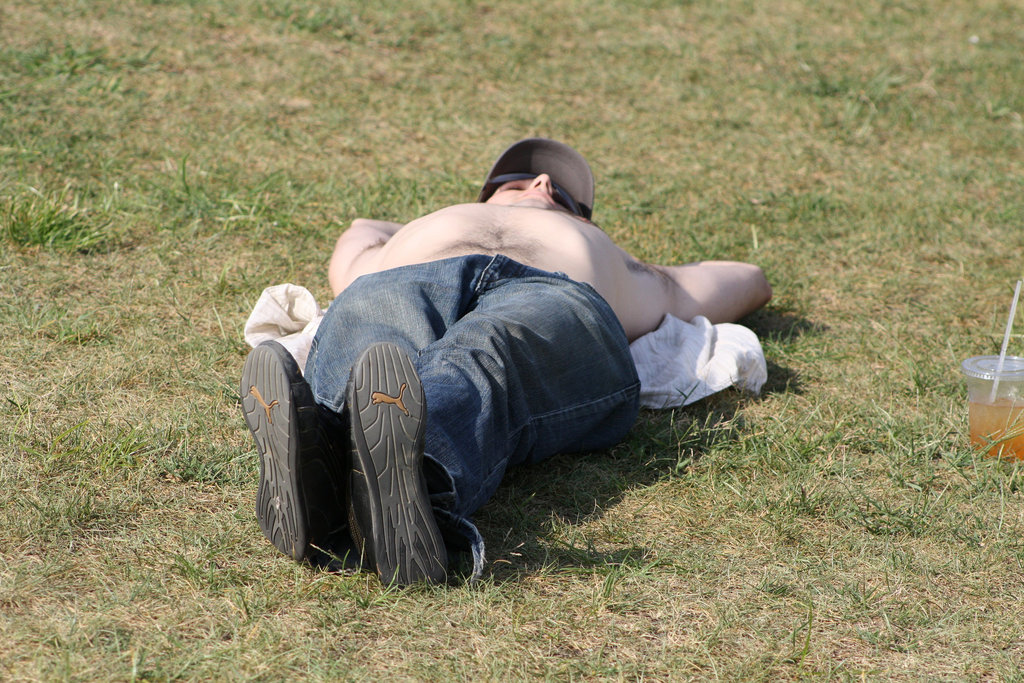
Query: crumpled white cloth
x=682, y=362
x=287, y=314
x=678, y=363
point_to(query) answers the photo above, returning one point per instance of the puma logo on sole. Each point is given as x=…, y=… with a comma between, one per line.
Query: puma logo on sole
x=380, y=397
x=266, y=406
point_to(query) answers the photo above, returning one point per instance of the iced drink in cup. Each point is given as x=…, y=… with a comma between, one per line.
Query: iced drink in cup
x=996, y=404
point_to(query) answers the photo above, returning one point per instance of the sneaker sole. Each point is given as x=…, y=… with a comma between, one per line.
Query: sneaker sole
x=300, y=499
x=390, y=514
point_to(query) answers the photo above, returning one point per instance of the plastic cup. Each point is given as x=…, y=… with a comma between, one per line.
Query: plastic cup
x=996, y=418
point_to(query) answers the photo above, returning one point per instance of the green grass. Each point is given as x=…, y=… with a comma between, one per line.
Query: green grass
x=161, y=162
x=35, y=219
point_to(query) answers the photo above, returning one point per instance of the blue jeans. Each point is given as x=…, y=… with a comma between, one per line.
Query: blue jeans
x=516, y=363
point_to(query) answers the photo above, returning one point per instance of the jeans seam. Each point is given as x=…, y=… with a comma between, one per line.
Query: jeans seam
x=615, y=396
x=630, y=393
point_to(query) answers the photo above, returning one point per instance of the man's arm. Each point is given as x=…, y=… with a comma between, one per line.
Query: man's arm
x=721, y=291
x=356, y=248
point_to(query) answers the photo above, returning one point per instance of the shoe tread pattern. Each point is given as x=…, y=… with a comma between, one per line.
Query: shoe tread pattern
x=271, y=416
x=397, y=523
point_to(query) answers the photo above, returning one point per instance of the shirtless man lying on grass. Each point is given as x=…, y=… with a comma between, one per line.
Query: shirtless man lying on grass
x=480, y=336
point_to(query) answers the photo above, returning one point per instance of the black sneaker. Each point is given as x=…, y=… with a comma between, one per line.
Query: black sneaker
x=300, y=502
x=390, y=516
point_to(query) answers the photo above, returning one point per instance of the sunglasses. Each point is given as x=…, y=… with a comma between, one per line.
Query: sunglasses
x=561, y=195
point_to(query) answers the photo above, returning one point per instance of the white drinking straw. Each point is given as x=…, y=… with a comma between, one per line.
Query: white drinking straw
x=1006, y=341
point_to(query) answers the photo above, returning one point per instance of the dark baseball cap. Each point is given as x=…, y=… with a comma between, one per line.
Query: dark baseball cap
x=567, y=168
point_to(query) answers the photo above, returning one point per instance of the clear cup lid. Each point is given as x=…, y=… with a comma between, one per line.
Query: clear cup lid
x=986, y=367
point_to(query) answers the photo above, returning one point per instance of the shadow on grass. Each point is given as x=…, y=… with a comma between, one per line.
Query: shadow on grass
x=528, y=525
x=525, y=524
x=780, y=329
